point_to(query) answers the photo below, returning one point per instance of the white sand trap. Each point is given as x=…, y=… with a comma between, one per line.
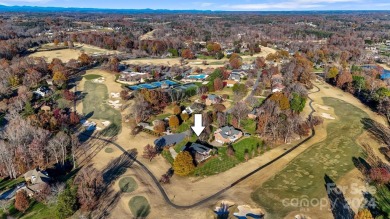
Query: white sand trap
x=246, y=210
x=327, y=116
x=106, y=123
x=322, y=107
x=112, y=102
x=115, y=95
x=98, y=80
x=117, y=106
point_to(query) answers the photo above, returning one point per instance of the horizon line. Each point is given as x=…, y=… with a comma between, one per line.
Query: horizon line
x=205, y=10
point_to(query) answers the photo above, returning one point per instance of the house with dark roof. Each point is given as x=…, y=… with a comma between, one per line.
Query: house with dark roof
x=169, y=140
x=213, y=99
x=199, y=152
x=36, y=181
x=194, y=108
x=227, y=134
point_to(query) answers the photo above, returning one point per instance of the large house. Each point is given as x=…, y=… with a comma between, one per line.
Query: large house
x=194, y=108
x=235, y=77
x=277, y=87
x=227, y=134
x=36, y=181
x=135, y=77
x=199, y=152
x=213, y=99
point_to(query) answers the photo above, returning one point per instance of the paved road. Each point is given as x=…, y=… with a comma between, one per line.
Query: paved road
x=168, y=200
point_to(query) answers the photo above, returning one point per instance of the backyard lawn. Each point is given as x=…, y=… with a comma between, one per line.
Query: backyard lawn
x=222, y=162
x=305, y=174
x=95, y=104
x=249, y=125
x=36, y=210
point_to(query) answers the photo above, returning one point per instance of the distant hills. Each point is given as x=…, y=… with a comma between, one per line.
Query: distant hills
x=37, y=9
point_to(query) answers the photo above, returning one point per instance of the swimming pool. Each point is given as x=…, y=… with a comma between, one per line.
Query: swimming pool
x=152, y=85
x=197, y=77
x=386, y=74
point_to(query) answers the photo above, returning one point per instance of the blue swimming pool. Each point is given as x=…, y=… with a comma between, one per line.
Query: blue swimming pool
x=197, y=77
x=152, y=85
x=386, y=74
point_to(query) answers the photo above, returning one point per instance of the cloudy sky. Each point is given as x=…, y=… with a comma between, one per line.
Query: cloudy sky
x=226, y=5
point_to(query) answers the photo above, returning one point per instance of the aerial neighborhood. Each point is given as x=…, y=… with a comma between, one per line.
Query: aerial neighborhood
x=197, y=114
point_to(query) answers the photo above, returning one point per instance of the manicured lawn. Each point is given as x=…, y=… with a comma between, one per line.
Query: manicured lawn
x=92, y=76
x=167, y=155
x=184, y=127
x=249, y=144
x=95, y=104
x=222, y=162
x=217, y=164
x=36, y=210
x=108, y=150
x=39, y=211
x=139, y=206
x=305, y=174
x=9, y=183
x=248, y=125
x=159, y=117
x=128, y=184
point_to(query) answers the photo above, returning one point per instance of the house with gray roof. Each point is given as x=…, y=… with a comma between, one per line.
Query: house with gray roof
x=36, y=181
x=227, y=134
x=169, y=140
x=213, y=99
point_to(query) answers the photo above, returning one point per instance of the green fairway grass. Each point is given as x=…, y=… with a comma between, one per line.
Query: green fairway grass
x=303, y=177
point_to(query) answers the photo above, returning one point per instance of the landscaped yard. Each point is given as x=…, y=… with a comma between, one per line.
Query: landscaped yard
x=139, y=206
x=95, y=104
x=36, y=210
x=222, y=162
x=305, y=174
x=248, y=125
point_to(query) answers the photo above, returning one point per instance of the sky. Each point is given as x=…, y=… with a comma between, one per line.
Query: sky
x=225, y=5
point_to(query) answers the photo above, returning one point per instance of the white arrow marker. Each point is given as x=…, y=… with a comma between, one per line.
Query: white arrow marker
x=198, y=128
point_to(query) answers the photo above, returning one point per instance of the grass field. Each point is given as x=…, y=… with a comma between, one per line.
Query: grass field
x=128, y=184
x=223, y=162
x=92, y=76
x=36, y=210
x=9, y=183
x=108, y=150
x=139, y=206
x=304, y=176
x=95, y=104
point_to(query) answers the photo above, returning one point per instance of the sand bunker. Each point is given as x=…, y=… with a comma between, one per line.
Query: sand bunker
x=246, y=210
x=106, y=123
x=114, y=103
x=322, y=107
x=115, y=95
x=327, y=116
x=98, y=80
